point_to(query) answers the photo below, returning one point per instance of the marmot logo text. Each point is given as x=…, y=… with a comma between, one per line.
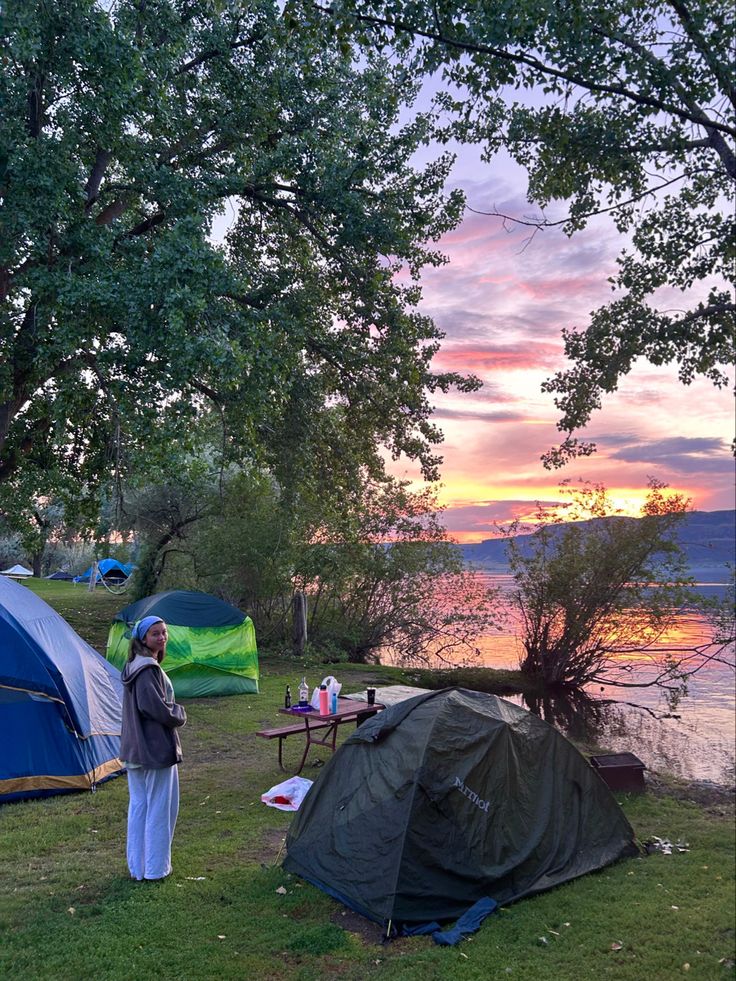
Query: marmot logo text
x=471, y=795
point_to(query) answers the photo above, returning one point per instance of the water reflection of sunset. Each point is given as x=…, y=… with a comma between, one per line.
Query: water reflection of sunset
x=502, y=647
x=695, y=740
x=686, y=632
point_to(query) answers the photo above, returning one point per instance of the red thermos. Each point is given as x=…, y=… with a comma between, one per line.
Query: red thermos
x=323, y=701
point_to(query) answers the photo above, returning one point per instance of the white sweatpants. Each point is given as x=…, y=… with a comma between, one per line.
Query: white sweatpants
x=152, y=811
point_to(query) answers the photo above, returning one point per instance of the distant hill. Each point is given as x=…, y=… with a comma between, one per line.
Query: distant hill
x=707, y=537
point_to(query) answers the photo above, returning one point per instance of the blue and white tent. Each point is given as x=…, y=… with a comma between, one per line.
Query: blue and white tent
x=60, y=702
x=109, y=570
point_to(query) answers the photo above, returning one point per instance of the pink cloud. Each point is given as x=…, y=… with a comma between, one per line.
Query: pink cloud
x=573, y=287
x=521, y=356
x=487, y=518
x=476, y=229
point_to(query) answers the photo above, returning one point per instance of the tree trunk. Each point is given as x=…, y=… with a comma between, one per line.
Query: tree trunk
x=299, y=620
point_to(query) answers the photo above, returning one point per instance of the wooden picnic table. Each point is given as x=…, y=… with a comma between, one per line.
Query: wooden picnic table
x=319, y=730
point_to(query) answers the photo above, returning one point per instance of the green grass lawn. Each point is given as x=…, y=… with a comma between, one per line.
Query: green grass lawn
x=69, y=911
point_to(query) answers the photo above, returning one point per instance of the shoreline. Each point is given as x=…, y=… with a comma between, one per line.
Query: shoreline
x=505, y=683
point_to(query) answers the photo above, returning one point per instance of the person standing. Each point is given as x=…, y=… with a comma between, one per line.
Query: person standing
x=151, y=751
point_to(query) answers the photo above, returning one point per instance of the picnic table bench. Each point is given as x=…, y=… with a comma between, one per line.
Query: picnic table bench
x=307, y=723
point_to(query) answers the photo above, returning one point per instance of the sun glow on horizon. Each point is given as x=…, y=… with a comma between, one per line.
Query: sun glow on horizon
x=474, y=511
x=628, y=503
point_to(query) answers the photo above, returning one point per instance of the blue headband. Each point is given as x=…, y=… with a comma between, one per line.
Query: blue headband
x=143, y=626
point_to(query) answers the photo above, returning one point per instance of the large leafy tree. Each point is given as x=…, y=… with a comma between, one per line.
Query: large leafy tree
x=129, y=129
x=612, y=107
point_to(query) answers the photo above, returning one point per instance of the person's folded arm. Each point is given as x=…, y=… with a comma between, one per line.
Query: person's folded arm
x=151, y=697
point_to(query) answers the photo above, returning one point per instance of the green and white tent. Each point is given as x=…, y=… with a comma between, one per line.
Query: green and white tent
x=212, y=645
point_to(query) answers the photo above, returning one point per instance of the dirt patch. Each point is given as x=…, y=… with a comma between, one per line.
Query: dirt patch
x=272, y=846
x=368, y=931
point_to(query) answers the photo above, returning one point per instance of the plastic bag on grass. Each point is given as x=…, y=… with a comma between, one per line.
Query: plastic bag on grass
x=287, y=795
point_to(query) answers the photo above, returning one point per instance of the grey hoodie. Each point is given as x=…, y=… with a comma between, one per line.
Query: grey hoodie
x=150, y=716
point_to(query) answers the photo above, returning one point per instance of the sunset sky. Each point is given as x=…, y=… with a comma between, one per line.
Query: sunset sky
x=502, y=307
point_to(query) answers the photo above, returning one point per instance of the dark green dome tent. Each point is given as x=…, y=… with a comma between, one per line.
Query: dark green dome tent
x=447, y=798
x=212, y=645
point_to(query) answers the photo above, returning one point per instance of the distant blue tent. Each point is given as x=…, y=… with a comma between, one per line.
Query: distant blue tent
x=108, y=569
x=60, y=702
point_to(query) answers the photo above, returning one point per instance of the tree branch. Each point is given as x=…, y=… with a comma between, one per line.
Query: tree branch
x=255, y=301
x=208, y=55
x=705, y=49
x=36, y=114
x=709, y=311
x=714, y=139
x=543, y=223
x=210, y=393
x=102, y=158
x=546, y=70
x=144, y=226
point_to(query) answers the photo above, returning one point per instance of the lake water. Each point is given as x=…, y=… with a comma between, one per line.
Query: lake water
x=694, y=740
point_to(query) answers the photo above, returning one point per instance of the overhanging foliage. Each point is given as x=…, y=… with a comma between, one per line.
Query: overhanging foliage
x=131, y=133
x=612, y=107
